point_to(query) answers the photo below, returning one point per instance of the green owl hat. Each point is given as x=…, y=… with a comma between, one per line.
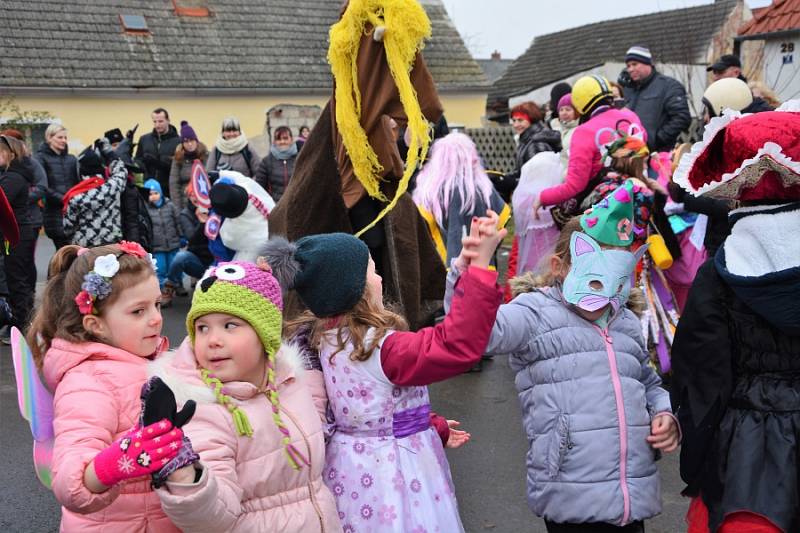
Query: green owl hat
x=610, y=221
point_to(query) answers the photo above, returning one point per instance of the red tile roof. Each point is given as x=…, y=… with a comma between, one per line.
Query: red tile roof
x=783, y=15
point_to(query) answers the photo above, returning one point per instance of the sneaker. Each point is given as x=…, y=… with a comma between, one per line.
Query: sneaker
x=5, y=335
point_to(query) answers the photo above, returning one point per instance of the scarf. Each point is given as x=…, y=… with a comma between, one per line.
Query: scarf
x=88, y=184
x=283, y=154
x=232, y=146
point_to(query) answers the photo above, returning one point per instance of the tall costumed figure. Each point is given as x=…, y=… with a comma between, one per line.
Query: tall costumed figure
x=350, y=176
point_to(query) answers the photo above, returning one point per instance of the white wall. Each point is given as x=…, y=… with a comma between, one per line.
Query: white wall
x=781, y=66
x=684, y=73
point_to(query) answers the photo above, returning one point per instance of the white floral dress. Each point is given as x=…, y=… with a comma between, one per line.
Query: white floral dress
x=385, y=463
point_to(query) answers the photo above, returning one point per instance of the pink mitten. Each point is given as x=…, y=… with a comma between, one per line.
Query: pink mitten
x=138, y=453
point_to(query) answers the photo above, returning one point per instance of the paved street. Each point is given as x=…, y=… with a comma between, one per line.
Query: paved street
x=489, y=472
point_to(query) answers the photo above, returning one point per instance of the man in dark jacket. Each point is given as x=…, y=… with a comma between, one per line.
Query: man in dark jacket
x=660, y=101
x=156, y=149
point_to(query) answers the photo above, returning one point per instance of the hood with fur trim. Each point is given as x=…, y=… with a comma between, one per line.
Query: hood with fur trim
x=760, y=261
x=178, y=369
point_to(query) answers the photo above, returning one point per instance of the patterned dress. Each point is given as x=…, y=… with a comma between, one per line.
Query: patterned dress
x=385, y=463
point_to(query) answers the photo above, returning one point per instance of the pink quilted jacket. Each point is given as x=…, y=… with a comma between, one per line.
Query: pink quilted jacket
x=96, y=399
x=584, y=155
x=247, y=484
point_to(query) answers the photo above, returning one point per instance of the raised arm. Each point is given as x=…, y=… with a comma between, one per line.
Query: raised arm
x=452, y=346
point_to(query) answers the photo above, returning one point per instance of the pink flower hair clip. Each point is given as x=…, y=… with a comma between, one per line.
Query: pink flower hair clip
x=97, y=283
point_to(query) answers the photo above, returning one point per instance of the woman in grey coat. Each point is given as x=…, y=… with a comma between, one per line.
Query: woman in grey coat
x=593, y=411
x=232, y=151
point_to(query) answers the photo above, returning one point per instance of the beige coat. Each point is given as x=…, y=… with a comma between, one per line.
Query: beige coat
x=247, y=483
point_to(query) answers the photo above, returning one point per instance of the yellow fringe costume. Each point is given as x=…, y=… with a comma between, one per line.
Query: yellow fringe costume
x=406, y=26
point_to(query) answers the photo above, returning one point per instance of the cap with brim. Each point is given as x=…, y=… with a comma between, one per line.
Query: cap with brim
x=725, y=62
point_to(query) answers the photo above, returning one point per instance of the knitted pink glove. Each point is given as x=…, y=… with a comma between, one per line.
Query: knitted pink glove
x=138, y=453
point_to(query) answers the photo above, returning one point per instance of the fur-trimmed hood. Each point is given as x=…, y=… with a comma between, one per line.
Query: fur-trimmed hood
x=760, y=261
x=178, y=369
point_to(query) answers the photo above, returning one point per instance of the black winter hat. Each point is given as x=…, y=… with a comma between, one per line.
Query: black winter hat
x=114, y=136
x=228, y=199
x=558, y=90
x=328, y=271
x=91, y=164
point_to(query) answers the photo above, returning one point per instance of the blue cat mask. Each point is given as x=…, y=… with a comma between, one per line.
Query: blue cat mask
x=598, y=277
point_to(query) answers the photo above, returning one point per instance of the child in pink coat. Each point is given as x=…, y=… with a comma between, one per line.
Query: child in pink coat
x=98, y=325
x=258, y=425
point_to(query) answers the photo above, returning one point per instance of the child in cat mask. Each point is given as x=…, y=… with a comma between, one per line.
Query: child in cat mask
x=593, y=409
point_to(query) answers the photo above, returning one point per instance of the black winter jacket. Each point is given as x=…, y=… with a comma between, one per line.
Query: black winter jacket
x=194, y=231
x=154, y=154
x=136, y=223
x=736, y=373
x=274, y=174
x=716, y=211
x=759, y=105
x=62, y=175
x=660, y=102
x=37, y=182
x=15, y=187
x=537, y=138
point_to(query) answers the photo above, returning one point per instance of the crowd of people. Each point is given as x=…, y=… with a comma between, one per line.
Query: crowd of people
x=634, y=258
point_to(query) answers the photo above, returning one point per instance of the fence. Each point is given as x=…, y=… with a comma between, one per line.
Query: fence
x=496, y=147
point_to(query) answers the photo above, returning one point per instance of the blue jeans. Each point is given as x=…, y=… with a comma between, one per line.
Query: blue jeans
x=163, y=262
x=185, y=262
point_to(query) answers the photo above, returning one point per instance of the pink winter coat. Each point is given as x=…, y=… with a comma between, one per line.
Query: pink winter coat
x=584, y=155
x=96, y=399
x=247, y=484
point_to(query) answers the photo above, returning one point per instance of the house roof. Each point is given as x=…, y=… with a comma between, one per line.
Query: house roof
x=244, y=45
x=783, y=15
x=494, y=68
x=675, y=36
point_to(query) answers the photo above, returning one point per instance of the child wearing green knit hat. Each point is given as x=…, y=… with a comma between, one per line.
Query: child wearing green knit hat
x=258, y=425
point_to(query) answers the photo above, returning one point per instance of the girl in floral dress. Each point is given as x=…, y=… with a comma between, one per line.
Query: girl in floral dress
x=385, y=463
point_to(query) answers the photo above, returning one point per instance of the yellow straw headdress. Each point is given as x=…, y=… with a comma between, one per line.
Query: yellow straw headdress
x=405, y=26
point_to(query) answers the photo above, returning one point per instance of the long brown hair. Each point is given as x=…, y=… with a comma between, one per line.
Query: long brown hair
x=201, y=153
x=351, y=327
x=58, y=315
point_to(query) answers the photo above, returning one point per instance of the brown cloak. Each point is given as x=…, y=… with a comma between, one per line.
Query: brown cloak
x=323, y=187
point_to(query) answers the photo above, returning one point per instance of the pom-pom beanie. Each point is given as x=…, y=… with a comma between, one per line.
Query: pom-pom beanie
x=328, y=271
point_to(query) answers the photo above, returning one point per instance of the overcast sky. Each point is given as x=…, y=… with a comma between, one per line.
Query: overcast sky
x=510, y=25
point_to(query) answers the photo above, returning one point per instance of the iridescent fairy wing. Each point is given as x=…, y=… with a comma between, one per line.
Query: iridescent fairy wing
x=35, y=405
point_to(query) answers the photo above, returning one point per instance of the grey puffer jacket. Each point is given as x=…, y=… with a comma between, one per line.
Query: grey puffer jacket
x=587, y=396
x=166, y=226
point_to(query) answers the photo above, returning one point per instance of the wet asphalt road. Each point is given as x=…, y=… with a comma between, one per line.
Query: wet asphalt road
x=489, y=472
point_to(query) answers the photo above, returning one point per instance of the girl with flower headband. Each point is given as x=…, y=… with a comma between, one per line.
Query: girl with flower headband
x=258, y=427
x=97, y=327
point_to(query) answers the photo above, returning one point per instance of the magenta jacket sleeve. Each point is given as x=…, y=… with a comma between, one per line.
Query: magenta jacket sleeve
x=451, y=347
x=439, y=423
x=579, y=171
